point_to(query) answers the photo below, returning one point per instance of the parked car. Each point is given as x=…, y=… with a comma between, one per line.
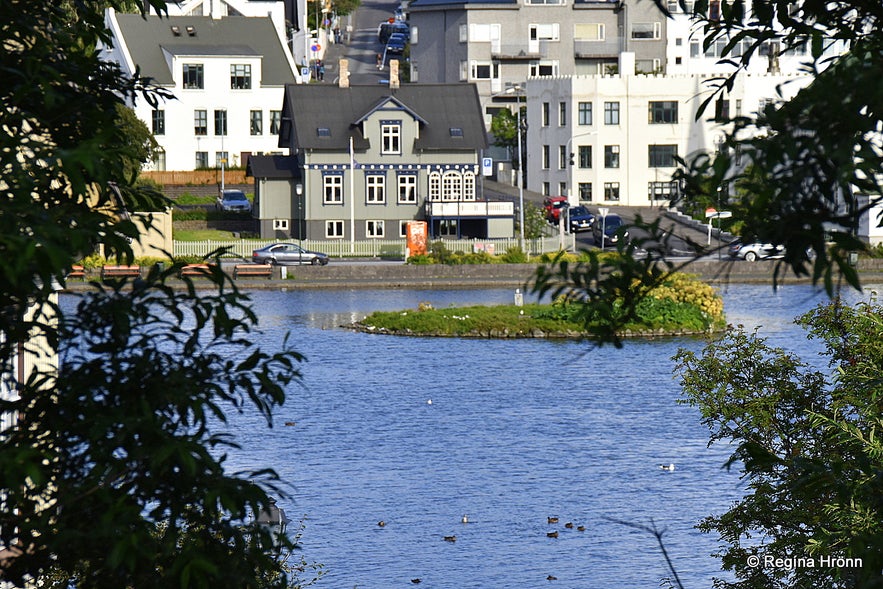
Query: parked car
x=396, y=44
x=580, y=219
x=755, y=251
x=610, y=227
x=233, y=200
x=388, y=28
x=552, y=206
x=287, y=254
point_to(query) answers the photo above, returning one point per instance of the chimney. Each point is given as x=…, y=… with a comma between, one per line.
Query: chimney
x=393, y=74
x=343, y=69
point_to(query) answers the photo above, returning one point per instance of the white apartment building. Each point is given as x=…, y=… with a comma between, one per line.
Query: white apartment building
x=227, y=75
x=623, y=131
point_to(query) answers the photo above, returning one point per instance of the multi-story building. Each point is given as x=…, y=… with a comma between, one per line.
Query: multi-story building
x=612, y=140
x=227, y=76
x=500, y=43
x=366, y=160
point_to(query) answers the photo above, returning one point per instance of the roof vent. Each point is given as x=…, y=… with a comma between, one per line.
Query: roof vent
x=176, y=30
x=191, y=31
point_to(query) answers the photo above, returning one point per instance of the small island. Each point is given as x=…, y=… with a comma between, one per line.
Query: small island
x=682, y=305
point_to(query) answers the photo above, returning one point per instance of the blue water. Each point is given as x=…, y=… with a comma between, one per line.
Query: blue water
x=516, y=431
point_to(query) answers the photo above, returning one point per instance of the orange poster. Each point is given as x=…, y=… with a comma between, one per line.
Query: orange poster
x=416, y=238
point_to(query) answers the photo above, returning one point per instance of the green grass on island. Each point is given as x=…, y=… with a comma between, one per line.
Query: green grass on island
x=683, y=305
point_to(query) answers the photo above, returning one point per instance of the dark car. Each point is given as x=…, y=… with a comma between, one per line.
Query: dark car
x=233, y=201
x=389, y=28
x=287, y=254
x=610, y=226
x=756, y=251
x=580, y=219
x=396, y=44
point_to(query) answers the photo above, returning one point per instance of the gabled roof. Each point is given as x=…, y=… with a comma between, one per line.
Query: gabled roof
x=146, y=40
x=273, y=166
x=438, y=108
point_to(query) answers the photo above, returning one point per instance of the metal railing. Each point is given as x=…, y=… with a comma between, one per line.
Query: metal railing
x=369, y=248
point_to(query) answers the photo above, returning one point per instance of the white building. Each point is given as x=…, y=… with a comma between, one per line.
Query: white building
x=623, y=131
x=227, y=75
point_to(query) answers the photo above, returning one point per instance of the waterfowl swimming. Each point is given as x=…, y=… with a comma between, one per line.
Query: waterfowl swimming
x=552, y=520
x=552, y=534
x=381, y=523
x=450, y=538
x=415, y=581
x=667, y=466
x=581, y=528
x=551, y=578
x=464, y=519
x=568, y=525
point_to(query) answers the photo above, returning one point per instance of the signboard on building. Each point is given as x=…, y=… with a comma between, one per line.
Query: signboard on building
x=416, y=236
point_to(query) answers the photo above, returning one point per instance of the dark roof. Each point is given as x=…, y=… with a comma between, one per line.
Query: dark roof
x=438, y=107
x=273, y=166
x=147, y=38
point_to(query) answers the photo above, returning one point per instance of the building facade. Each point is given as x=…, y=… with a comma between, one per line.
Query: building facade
x=227, y=76
x=366, y=160
x=501, y=43
x=612, y=140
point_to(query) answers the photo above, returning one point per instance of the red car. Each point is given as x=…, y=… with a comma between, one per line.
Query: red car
x=553, y=205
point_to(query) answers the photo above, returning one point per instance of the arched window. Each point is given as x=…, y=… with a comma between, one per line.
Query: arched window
x=452, y=186
x=434, y=192
x=468, y=185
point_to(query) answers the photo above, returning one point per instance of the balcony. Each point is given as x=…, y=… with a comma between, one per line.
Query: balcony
x=461, y=209
x=596, y=49
x=512, y=51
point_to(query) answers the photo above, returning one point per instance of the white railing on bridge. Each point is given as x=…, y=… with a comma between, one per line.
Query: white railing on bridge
x=369, y=248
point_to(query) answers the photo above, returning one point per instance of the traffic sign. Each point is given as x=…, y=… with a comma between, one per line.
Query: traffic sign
x=487, y=166
x=316, y=47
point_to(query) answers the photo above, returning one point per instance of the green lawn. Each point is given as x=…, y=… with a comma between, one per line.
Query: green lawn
x=201, y=234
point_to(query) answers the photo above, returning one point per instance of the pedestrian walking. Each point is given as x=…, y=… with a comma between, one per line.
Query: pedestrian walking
x=379, y=61
x=321, y=72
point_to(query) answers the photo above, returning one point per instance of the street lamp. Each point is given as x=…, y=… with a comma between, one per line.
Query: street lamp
x=518, y=90
x=301, y=222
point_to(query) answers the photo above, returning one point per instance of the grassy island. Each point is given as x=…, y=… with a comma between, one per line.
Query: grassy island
x=682, y=305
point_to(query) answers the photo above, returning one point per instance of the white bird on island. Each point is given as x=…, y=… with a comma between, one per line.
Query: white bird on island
x=668, y=467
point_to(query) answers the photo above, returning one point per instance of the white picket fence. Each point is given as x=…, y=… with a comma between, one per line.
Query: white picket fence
x=370, y=248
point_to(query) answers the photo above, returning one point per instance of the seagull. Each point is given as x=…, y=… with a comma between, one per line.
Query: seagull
x=667, y=466
x=465, y=519
x=429, y=402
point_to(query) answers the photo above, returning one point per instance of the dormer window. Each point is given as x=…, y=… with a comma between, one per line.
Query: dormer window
x=457, y=132
x=191, y=31
x=176, y=30
x=390, y=137
x=323, y=132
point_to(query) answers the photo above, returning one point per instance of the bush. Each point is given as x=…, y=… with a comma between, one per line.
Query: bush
x=514, y=255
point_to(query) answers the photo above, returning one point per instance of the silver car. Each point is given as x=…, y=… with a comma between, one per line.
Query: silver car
x=233, y=201
x=287, y=254
x=756, y=251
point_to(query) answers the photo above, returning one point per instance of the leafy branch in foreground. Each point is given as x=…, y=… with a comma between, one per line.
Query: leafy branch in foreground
x=807, y=445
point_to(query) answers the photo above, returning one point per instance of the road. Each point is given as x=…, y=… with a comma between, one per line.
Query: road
x=363, y=47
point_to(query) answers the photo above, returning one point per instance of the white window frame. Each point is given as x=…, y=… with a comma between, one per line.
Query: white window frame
x=332, y=189
x=592, y=31
x=391, y=138
x=375, y=189
x=649, y=30
x=280, y=224
x=434, y=186
x=407, y=189
x=375, y=229
x=334, y=229
x=492, y=72
x=468, y=185
x=544, y=32
x=451, y=186
x=535, y=67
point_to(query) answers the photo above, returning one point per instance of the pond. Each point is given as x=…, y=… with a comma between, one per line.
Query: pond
x=418, y=432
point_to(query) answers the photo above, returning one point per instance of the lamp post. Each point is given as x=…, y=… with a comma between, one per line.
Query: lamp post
x=301, y=221
x=518, y=90
x=603, y=212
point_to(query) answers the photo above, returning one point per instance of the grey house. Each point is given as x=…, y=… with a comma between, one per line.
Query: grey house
x=366, y=160
x=496, y=44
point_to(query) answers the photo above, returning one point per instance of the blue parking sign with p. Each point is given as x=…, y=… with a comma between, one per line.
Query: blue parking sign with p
x=487, y=166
